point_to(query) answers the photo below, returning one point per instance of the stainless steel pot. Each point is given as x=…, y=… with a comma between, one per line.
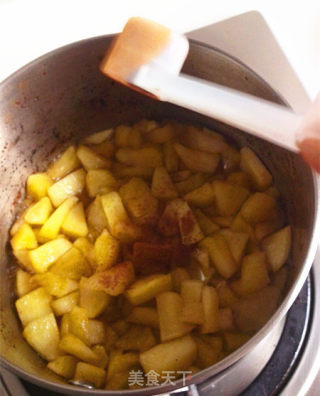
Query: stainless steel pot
x=62, y=96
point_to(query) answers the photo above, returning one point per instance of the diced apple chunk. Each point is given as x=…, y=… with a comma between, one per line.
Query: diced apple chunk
x=192, y=313
x=94, y=301
x=190, y=183
x=190, y=231
x=201, y=197
x=120, y=225
x=64, y=366
x=175, y=355
x=220, y=254
x=106, y=250
x=277, y=247
x=147, y=288
x=75, y=223
x=162, y=186
x=136, y=338
x=96, y=217
x=90, y=160
x=38, y=213
x=75, y=347
x=229, y=197
x=145, y=316
x=169, y=306
x=86, y=248
x=148, y=157
x=38, y=185
x=70, y=185
x=65, y=164
x=204, y=140
x=100, y=181
x=197, y=161
x=237, y=242
x=210, y=303
x=257, y=208
x=191, y=290
x=45, y=255
x=206, y=224
x=171, y=159
x=51, y=227
x=55, y=285
x=72, y=264
x=141, y=204
x=33, y=305
x=65, y=304
x=115, y=280
x=89, y=374
x=252, y=165
x=23, y=283
x=24, y=238
x=43, y=335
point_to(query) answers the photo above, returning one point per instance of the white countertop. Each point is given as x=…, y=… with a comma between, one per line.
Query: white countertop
x=31, y=28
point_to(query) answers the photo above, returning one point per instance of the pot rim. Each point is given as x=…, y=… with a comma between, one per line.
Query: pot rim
x=255, y=339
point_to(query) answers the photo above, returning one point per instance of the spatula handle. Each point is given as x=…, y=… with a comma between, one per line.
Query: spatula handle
x=261, y=118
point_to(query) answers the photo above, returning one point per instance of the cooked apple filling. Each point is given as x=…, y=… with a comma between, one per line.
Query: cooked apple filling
x=148, y=248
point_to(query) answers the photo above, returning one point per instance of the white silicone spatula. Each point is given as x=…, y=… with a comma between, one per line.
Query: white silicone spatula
x=148, y=57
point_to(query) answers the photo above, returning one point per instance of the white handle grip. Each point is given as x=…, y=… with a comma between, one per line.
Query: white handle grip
x=259, y=117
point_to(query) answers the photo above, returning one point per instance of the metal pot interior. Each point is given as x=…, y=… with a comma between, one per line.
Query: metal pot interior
x=62, y=97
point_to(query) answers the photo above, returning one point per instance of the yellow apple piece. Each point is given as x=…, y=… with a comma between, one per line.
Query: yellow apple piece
x=169, y=307
x=277, y=247
x=170, y=157
x=75, y=224
x=66, y=163
x=203, y=139
x=43, y=335
x=190, y=231
x=38, y=213
x=90, y=160
x=87, y=373
x=144, y=316
x=252, y=165
x=23, y=283
x=175, y=355
x=65, y=304
x=96, y=217
x=100, y=181
x=24, y=238
x=190, y=183
x=45, y=255
x=38, y=185
x=75, y=347
x=94, y=301
x=147, y=288
x=148, y=157
x=254, y=274
x=229, y=197
x=162, y=186
x=64, y=366
x=197, y=161
x=210, y=303
x=257, y=208
x=201, y=197
x=220, y=254
x=115, y=280
x=141, y=204
x=33, y=305
x=106, y=250
x=51, y=227
x=72, y=264
x=70, y=185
